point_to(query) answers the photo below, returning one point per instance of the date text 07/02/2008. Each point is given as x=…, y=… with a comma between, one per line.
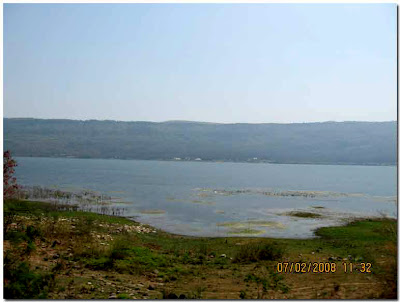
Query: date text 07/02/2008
x=323, y=267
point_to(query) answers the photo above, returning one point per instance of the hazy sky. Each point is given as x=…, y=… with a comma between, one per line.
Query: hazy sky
x=255, y=63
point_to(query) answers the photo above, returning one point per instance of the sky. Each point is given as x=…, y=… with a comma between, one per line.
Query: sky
x=226, y=63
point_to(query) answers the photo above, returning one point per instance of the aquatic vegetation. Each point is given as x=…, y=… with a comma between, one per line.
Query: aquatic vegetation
x=80, y=200
x=304, y=214
x=248, y=223
x=152, y=212
x=278, y=193
x=192, y=201
x=246, y=232
x=232, y=224
x=82, y=196
x=122, y=202
x=310, y=194
x=385, y=198
x=203, y=202
x=220, y=212
x=272, y=224
x=203, y=195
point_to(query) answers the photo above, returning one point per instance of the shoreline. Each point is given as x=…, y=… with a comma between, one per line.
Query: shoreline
x=217, y=161
x=83, y=255
x=101, y=204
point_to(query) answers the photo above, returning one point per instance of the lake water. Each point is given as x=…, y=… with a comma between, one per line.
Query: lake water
x=225, y=199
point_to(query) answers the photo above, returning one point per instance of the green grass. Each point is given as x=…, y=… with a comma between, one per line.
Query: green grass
x=369, y=230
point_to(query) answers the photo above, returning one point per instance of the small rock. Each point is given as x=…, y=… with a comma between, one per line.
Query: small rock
x=55, y=242
x=113, y=296
x=89, y=283
x=151, y=287
x=222, y=256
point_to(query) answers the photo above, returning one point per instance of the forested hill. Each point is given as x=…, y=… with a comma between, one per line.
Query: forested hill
x=329, y=142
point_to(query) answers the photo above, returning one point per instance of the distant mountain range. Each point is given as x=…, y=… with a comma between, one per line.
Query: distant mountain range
x=369, y=143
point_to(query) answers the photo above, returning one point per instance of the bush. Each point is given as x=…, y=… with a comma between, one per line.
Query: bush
x=256, y=252
x=120, y=249
x=102, y=263
x=10, y=187
x=22, y=283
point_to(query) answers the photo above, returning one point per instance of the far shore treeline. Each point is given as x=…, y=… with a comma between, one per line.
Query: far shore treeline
x=364, y=143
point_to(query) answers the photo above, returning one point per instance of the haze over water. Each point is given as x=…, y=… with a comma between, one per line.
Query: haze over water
x=220, y=199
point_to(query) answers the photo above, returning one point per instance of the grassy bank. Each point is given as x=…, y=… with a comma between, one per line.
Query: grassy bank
x=58, y=254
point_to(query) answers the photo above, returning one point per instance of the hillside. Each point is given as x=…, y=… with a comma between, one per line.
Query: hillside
x=371, y=143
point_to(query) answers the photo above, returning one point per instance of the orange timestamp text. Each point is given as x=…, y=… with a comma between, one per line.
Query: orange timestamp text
x=323, y=267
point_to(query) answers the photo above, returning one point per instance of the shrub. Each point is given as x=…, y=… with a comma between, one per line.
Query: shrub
x=102, y=263
x=256, y=252
x=10, y=187
x=22, y=283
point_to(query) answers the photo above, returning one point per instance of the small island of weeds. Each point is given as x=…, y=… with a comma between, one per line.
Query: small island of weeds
x=304, y=215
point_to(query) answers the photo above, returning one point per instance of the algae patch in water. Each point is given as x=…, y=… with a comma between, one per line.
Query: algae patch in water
x=203, y=202
x=122, y=202
x=219, y=212
x=246, y=232
x=192, y=201
x=248, y=223
x=279, y=193
x=153, y=212
x=203, y=195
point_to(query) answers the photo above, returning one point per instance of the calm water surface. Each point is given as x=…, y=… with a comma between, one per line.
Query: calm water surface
x=219, y=199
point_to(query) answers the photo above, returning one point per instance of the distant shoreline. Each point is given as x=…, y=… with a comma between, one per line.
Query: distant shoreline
x=329, y=143
x=217, y=161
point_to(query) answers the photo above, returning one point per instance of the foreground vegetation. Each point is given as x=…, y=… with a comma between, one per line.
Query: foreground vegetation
x=59, y=253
